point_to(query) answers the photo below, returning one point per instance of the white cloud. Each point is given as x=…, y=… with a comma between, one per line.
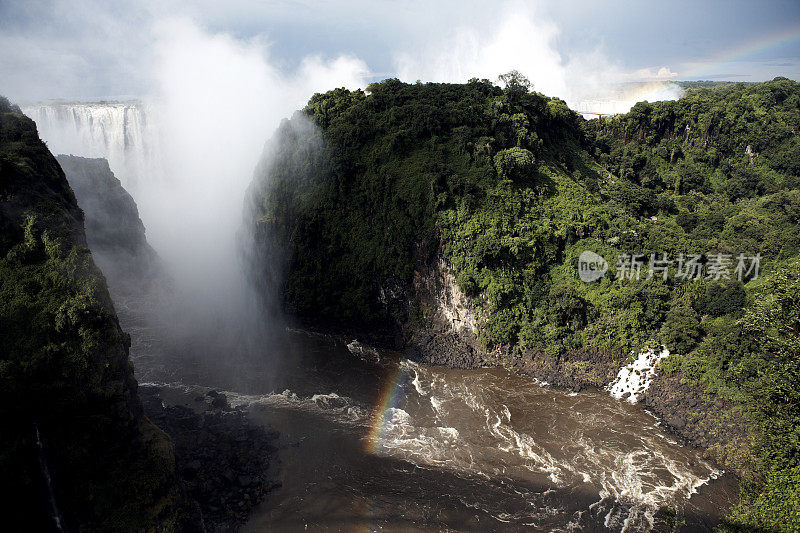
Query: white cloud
x=522, y=40
x=648, y=74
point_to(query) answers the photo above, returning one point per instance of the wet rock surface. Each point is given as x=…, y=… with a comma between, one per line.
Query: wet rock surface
x=438, y=346
x=448, y=334
x=223, y=460
x=575, y=370
x=697, y=417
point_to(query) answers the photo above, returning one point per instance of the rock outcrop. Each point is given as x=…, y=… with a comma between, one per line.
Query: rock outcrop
x=446, y=333
x=223, y=460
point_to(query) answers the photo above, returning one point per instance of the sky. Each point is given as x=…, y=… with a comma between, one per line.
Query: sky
x=216, y=78
x=91, y=49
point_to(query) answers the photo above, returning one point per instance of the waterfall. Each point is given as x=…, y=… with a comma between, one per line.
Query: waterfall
x=634, y=379
x=121, y=132
x=51, y=497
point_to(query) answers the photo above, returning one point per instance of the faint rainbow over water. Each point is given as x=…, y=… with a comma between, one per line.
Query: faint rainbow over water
x=386, y=401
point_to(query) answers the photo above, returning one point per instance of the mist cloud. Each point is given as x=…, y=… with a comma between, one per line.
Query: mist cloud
x=216, y=100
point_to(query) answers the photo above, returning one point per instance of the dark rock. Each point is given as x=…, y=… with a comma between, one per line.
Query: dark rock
x=690, y=414
x=222, y=458
x=330, y=402
x=192, y=467
x=218, y=401
x=677, y=423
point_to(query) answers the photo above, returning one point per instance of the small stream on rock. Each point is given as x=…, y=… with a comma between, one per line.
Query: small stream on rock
x=370, y=441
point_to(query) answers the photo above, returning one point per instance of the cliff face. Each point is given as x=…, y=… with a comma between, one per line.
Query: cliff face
x=65, y=376
x=448, y=332
x=114, y=231
x=365, y=193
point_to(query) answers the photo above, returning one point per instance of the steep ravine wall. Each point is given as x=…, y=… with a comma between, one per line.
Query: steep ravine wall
x=68, y=396
x=114, y=230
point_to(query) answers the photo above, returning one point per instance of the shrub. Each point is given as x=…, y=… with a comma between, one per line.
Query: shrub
x=671, y=364
x=681, y=330
x=515, y=164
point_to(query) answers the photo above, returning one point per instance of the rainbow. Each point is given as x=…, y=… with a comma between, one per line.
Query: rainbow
x=386, y=400
x=782, y=38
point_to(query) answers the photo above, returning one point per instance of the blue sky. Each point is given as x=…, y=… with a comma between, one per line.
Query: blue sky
x=91, y=49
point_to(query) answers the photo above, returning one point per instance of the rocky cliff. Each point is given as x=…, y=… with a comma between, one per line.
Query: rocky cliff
x=114, y=231
x=75, y=438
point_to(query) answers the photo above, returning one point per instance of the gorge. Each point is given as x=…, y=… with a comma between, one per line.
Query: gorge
x=408, y=327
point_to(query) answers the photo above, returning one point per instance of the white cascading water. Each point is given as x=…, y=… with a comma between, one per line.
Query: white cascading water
x=121, y=132
x=634, y=379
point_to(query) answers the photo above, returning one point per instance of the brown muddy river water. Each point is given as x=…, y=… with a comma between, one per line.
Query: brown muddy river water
x=374, y=442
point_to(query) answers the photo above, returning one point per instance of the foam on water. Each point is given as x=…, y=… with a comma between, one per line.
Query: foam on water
x=340, y=408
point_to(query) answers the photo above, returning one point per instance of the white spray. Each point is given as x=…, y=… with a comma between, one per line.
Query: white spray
x=523, y=38
x=187, y=153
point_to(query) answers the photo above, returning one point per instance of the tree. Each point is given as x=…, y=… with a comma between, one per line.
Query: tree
x=515, y=78
x=681, y=329
x=514, y=164
x=516, y=84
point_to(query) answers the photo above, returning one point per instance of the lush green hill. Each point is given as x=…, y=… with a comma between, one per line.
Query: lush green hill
x=364, y=194
x=65, y=377
x=401, y=168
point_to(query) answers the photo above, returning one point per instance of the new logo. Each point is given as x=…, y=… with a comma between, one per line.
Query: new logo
x=591, y=266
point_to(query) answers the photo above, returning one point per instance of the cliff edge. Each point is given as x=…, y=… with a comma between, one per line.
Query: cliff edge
x=75, y=438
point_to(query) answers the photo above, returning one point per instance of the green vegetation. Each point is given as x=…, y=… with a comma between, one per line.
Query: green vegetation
x=511, y=186
x=723, y=162
x=64, y=368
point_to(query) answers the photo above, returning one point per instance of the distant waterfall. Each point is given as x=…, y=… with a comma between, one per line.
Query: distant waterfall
x=611, y=99
x=48, y=480
x=121, y=132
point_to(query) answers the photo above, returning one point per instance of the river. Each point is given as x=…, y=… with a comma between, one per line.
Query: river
x=370, y=441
